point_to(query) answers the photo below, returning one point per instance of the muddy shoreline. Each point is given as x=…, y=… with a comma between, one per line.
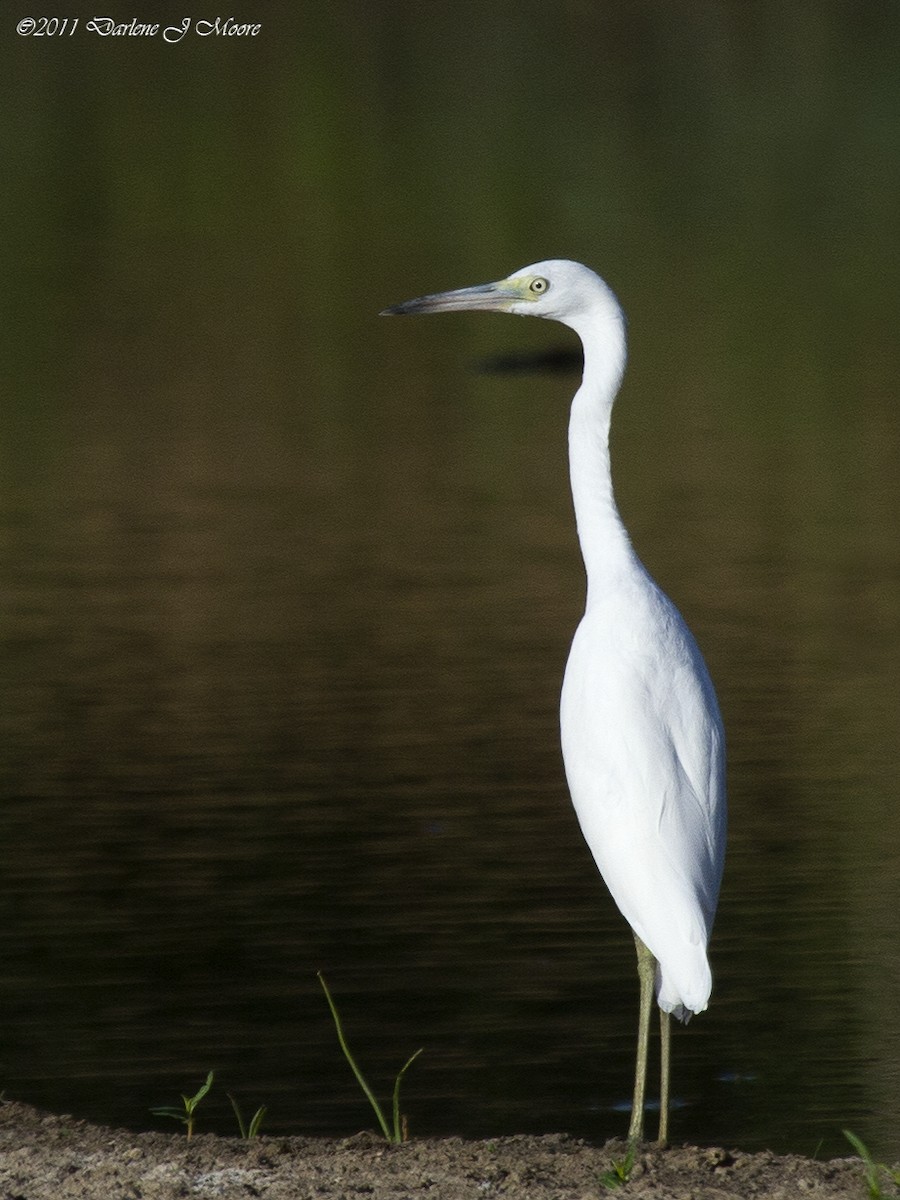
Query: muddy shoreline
x=49, y=1157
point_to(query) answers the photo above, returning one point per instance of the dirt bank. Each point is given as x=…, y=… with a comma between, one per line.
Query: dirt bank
x=44, y=1157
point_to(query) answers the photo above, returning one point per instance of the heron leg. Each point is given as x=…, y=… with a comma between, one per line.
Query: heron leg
x=647, y=976
x=665, y=1047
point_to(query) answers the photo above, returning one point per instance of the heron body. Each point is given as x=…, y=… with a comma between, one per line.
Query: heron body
x=642, y=739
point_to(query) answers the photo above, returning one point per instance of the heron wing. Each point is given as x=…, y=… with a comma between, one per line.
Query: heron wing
x=644, y=754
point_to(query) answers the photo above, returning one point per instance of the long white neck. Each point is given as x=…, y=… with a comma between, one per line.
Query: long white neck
x=604, y=543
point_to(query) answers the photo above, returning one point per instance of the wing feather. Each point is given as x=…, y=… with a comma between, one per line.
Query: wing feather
x=644, y=755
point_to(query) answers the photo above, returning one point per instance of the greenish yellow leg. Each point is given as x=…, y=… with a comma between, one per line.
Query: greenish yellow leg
x=665, y=1047
x=646, y=975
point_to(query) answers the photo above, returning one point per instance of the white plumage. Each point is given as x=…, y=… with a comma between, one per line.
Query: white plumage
x=642, y=738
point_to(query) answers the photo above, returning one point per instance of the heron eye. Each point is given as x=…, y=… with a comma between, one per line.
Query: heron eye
x=538, y=286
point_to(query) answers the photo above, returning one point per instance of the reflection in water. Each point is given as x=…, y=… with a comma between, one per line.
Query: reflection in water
x=286, y=601
x=553, y=360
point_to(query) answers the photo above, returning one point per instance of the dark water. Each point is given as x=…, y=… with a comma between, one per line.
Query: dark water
x=287, y=590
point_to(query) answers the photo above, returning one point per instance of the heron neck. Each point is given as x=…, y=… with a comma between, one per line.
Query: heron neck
x=605, y=547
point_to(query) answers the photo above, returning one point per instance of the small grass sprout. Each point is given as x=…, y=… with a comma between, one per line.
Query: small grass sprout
x=873, y=1170
x=620, y=1170
x=251, y=1130
x=185, y=1114
x=399, y=1133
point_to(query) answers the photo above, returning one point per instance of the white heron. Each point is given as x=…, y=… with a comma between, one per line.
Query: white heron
x=642, y=737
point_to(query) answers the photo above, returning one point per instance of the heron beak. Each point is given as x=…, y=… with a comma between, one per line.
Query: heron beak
x=485, y=297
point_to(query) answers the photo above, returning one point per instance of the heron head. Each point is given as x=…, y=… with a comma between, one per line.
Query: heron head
x=557, y=289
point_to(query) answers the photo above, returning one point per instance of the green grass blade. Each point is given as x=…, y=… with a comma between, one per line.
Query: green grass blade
x=177, y=1114
x=871, y=1167
x=237, y=1112
x=251, y=1130
x=620, y=1171
x=398, y=1132
x=858, y=1145
x=360, y=1079
x=195, y=1099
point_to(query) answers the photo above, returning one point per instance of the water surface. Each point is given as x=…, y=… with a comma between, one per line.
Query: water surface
x=288, y=590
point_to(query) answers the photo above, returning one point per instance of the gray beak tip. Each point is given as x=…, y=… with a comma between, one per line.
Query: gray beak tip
x=396, y=310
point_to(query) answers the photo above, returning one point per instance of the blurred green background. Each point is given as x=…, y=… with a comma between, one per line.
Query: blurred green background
x=287, y=590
